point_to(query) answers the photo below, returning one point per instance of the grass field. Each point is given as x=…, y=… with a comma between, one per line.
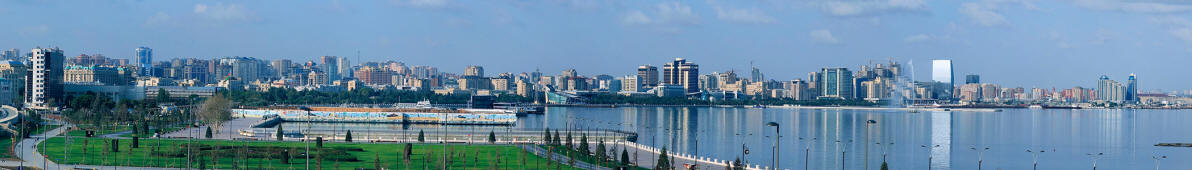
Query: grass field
x=268, y=155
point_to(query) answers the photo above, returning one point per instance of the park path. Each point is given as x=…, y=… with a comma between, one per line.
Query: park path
x=560, y=158
x=26, y=150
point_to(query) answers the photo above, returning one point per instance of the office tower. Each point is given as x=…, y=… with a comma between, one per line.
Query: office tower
x=709, y=82
x=145, y=61
x=12, y=54
x=281, y=67
x=631, y=83
x=813, y=84
x=246, y=69
x=972, y=79
x=796, y=89
x=990, y=92
x=316, y=77
x=345, y=68
x=569, y=73
x=1110, y=91
x=941, y=73
x=474, y=71
x=14, y=71
x=374, y=76
x=330, y=66
x=44, y=78
x=681, y=73
x=648, y=76
x=756, y=75
x=1132, y=89
x=836, y=83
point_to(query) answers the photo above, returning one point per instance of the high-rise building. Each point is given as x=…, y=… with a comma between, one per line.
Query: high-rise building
x=569, y=73
x=681, y=73
x=836, y=83
x=281, y=67
x=145, y=61
x=972, y=79
x=44, y=78
x=756, y=75
x=648, y=76
x=330, y=67
x=474, y=71
x=374, y=76
x=1132, y=89
x=796, y=89
x=709, y=82
x=631, y=83
x=12, y=54
x=14, y=71
x=941, y=73
x=345, y=68
x=1110, y=91
x=246, y=69
x=813, y=84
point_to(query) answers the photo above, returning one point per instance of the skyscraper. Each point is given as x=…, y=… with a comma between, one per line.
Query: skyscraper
x=474, y=71
x=756, y=75
x=681, y=73
x=1110, y=91
x=1132, y=89
x=12, y=54
x=44, y=78
x=836, y=83
x=648, y=76
x=972, y=79
x=941, y=73
x=330, y=67
x=145, y=61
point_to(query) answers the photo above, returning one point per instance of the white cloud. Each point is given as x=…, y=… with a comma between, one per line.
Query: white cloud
x=635, y=17
x=671, y=13
x=221, y=12
x=823, y=36
x=427, y=3
x=35, y=30
x=1135, y=6
x=860, y=8
x=917, y=38
x=750, y=15
x=982, y=14
x=1179, y=27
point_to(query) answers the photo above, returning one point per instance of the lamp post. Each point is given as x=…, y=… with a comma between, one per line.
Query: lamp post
x=1095, y=157
x=1157, y=159
x=1036, y=153
x=980, y=155
x=867, y=123
x=777, y=140
x=807, y=153
x=929, y=156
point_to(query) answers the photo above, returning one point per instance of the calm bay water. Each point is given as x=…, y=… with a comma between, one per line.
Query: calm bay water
x=1125, y=137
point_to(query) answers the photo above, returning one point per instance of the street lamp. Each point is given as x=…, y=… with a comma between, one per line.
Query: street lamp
x=1036, y=156
x=1157, y=159
x=929, y=156
x=777, y=140
x=980, y=155
x=867, y=123
x=1095, y=157
x=807, y=153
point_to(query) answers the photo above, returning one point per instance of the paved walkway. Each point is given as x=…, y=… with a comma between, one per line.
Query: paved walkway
x=560, y=157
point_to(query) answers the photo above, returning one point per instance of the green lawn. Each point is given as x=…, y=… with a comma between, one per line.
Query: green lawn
x=6, y=149
x=101, y=131
x=267, y=155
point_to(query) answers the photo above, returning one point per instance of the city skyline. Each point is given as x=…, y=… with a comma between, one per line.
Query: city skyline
x=785, y=41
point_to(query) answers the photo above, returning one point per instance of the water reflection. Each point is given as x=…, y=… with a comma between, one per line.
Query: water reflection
x=822, y=137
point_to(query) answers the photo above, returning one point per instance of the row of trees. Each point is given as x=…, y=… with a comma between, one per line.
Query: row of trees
x=601, y=154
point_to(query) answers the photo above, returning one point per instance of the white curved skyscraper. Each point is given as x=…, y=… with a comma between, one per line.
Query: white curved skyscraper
x=941, y=74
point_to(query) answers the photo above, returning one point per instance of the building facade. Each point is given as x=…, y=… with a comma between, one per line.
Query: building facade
x=681, y=73
x=44, y=78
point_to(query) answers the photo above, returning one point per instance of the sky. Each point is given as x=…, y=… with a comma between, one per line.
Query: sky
x=1027, y=43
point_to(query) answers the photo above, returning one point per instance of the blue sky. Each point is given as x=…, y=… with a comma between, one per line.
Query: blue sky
x=1029, y=43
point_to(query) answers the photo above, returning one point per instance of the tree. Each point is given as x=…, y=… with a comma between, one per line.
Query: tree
x=568, y=142
x=600, y=150
x=377, y=160
x=216, y=110
x=546, y=137
x=319, y=142
x=136, y=142
x=409, y=149
x=624, y=157
x=279, y=132
x=663, y=162
x=163, y=96
x=737, y=165
x=348, y=137
x=558, y=140
x=285, y=156
x=421, y=136
x=492, y=137
x=885, y=166
x=208, y=135
x=583, y=145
